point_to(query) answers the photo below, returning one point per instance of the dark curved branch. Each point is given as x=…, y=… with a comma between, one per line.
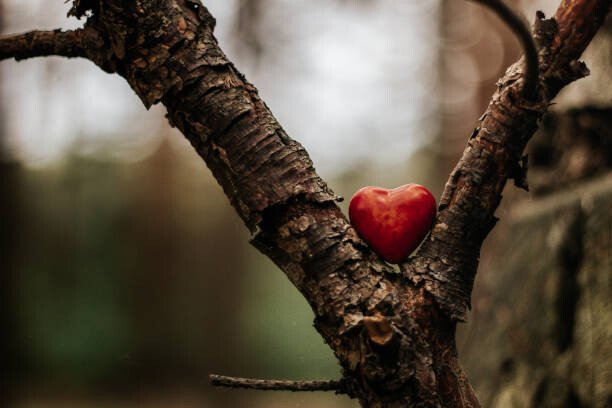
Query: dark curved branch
x=521, y=30
x=277, y=385
x=79, y=43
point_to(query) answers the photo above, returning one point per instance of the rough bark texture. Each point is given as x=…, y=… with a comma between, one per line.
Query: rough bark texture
x=393, y=334
x=83, y=43
x=448, y=260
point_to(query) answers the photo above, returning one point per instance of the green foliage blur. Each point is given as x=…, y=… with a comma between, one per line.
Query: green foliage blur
x=140, y=276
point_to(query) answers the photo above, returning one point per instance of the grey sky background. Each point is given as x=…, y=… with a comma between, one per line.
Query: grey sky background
x=345, y=80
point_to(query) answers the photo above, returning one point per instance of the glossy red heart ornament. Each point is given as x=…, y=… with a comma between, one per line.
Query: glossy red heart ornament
x=393, y=222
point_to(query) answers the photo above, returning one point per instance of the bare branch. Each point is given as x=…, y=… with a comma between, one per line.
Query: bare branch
x=447, y=262
x=277, y=385
x=521, y=30
x=167, y=52
x=79, y=43
x=578, y=22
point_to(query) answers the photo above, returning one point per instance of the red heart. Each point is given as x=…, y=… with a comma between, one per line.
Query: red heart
x=393, y=222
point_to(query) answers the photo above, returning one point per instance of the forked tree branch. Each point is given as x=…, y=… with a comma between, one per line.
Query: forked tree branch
x=166, y=51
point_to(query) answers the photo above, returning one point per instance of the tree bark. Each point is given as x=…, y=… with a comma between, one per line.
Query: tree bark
x=393, y=334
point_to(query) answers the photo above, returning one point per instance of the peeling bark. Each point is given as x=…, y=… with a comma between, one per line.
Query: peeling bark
x=447, y=261
x=393, y=334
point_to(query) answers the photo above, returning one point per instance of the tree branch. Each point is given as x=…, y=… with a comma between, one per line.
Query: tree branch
x=79, y=43
x=166, y=51
x=447, y=261
x=578, y=21
x=520, y=29
x=277, y=385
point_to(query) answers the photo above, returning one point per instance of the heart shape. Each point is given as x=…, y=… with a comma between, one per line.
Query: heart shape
x=393, y=222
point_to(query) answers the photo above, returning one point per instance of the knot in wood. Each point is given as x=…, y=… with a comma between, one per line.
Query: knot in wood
x=378, y=328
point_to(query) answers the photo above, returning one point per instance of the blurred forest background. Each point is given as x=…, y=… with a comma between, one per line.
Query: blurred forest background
x=126, y=277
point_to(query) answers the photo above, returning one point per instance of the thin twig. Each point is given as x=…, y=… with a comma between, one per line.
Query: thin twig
x=521, y=30
x=277, y=385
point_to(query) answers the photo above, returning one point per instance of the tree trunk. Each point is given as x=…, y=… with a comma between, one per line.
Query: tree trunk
x=393, y=334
